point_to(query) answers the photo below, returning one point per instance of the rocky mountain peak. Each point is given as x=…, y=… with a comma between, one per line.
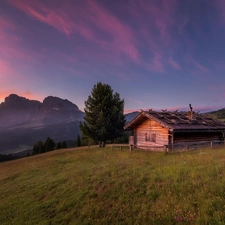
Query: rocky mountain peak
x=15, y=102
x=57, y=103
x=14, y=99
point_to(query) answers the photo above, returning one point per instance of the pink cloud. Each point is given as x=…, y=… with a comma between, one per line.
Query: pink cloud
x=14, y=57
x=5, y=26
x=5, y=68
x=157, y=24
x=197, y=69
x=200, y=67
x=156, y=62
x=8, y=72
x=11, y=48
x=9, y=81
x=81, y=20
x=163, y=15
x=123, y=37
x=174, y=64
x=56, y=18
x=14, y=51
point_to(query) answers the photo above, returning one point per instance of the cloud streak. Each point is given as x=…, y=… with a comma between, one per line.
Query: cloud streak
x=41, y=12
x=174, y=64
x=93, y=15
x=98, y=25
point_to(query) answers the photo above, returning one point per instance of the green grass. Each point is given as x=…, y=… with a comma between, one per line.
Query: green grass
x=104, y=186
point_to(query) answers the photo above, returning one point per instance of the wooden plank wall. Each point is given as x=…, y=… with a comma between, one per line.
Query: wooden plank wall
x=148, y=127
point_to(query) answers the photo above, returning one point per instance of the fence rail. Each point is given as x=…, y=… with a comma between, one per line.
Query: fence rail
x=181, y=146
x=172, y=147
x=193, y=146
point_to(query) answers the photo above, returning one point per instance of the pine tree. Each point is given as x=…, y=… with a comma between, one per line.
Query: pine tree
x=64, y=145
x=58, y=145
x=104, y=119
x=35, y=150
x=49, y=145
x=78, y=142
x=38, y=148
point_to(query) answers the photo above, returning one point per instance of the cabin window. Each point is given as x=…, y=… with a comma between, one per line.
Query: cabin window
x=153, y=137
x=147, y=137
x=150, y=137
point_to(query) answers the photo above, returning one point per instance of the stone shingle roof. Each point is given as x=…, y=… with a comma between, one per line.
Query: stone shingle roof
x=179, y=121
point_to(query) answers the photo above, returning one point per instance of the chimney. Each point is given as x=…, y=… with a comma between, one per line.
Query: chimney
x=190, y=114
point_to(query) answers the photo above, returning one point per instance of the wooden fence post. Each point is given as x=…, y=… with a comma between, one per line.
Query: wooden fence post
x=165, y=149
x=211, y=144
x=130, y=148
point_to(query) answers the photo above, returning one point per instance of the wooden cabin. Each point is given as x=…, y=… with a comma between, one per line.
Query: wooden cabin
x=153, y=129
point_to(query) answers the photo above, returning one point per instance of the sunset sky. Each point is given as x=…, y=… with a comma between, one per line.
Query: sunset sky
x=160, y=54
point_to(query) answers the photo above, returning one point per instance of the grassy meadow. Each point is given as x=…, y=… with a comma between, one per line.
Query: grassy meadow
x=104, y=186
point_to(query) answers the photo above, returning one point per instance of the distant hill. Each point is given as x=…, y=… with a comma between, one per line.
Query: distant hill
x=24, y=122
x=218, y=114
x=130, y=116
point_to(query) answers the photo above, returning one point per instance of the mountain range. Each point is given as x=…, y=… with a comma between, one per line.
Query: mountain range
x=23, y=122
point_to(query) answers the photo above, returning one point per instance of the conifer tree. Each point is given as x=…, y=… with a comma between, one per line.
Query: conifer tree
x=104, y=119
x=78, y=141
x=38, y=148
x=49, y=145
x=58, y=145
x=64, y=145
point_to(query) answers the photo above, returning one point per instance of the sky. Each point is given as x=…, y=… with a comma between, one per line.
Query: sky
x=157, y=54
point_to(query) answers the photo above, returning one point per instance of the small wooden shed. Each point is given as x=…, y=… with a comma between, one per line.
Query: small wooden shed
x=157, y=129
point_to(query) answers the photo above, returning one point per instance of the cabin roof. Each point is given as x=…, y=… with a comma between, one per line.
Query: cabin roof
x=178, y=121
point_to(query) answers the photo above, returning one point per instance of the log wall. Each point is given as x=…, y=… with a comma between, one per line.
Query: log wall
x=150, y=133
x=196, y=137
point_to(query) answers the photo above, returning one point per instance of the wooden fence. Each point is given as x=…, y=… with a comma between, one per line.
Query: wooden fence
x=173, y=147
x=193, y=146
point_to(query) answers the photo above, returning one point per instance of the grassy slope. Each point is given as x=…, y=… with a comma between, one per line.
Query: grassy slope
x=219, y=114
x=101, y=186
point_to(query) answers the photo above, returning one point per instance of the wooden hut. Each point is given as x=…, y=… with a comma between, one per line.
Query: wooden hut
x=153, y=129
